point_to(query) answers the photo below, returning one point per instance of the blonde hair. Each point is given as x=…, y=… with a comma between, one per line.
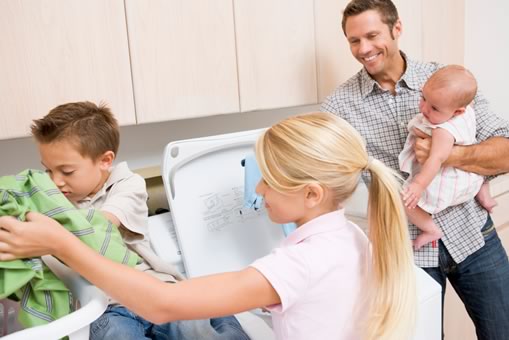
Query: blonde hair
x=323, y=148
x=458, y=82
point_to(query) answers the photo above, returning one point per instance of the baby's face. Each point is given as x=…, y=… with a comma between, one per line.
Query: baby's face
x=76, y=176
x=436, y=106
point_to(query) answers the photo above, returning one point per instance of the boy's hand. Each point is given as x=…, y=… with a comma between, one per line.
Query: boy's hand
x=36, y=237
x=411, y=195
x=422, y=146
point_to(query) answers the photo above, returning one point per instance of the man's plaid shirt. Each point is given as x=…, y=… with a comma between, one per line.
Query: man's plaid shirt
x=382, y=118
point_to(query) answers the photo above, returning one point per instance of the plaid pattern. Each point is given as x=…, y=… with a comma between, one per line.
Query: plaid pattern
x=43, y=297
x=382, y=118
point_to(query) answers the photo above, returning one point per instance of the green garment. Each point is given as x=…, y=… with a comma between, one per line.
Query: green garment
x=43, y=297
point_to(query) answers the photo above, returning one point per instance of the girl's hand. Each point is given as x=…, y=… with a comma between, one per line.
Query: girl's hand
x=39, y=235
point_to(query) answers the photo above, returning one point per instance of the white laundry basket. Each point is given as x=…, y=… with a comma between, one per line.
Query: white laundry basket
x=93, y=303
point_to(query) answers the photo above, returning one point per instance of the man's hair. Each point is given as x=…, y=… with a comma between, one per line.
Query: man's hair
x=388, y=11
x=92, y=129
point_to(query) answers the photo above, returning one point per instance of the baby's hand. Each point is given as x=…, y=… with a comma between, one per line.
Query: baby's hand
x=411, y=195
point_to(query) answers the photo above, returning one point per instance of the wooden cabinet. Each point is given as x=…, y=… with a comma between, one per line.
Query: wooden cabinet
x=275, y=53
x=183, y=58
x=155, y=60
x=56, y=51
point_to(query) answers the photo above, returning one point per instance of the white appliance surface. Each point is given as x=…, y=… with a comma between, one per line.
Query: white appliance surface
x=204, y=182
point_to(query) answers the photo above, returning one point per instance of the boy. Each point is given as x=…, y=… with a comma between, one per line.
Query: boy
x=78, y=143
x=446, y=115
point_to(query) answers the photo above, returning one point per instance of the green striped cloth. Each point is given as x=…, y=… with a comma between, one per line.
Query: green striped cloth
x=43, y=297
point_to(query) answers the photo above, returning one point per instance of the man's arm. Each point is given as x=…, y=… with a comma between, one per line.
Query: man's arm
x=490, y=157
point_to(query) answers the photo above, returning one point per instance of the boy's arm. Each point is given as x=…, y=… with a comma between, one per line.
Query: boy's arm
x=126, y=206
x=441, y=147
x=112, y=218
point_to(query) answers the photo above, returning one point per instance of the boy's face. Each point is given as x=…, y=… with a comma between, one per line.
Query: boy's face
x=76, y=176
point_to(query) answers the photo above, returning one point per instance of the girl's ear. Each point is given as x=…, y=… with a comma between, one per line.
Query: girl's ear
x=106, y=160
x=314, y=195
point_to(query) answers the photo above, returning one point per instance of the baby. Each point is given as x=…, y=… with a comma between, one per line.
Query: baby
x=447, y=117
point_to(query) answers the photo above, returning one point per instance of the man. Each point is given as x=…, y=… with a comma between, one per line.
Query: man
x=379, y=101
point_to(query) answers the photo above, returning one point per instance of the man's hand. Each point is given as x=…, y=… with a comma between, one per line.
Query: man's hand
x=38, y=236
x=422, y=146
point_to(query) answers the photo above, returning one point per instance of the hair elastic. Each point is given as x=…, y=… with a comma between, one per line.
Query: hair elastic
x=368, y=164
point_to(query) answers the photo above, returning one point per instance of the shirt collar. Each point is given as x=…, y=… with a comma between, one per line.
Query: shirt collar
x=117, y=173
x=409, y=78
x=368, y=84
x=324, y=223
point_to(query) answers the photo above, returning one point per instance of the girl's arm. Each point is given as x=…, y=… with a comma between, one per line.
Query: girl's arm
x=214, y=295
x=441, y=147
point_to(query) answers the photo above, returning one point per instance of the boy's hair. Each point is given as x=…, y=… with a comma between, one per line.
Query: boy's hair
x=388, y=11
x=459, y=83
x=321, y=148
x=93, y=129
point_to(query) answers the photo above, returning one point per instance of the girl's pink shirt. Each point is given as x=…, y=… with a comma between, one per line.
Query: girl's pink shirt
x=319, y=273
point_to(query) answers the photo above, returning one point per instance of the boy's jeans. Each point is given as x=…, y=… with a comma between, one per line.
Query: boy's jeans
x=482, y=283
x=120, y=323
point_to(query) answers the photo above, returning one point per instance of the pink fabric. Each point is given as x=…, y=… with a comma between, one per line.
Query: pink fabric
x=318, y=272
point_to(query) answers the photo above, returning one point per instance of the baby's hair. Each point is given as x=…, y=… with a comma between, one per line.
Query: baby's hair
x=324, y=149
x=92, y=129
x=459, y=83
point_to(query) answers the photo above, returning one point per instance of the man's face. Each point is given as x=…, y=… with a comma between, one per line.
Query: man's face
x=371, y=42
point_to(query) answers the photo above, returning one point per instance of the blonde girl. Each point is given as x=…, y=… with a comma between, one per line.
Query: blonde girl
x=326, y=280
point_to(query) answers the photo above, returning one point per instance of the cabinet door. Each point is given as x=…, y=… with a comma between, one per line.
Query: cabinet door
x=443, y=31
x=276, y=53
x=56, y=51
x=183, y=58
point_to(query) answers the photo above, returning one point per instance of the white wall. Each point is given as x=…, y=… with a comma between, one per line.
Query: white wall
x=142, y=146
x=487, y=50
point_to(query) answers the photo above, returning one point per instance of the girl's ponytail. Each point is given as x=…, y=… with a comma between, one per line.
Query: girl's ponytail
x=394, y=299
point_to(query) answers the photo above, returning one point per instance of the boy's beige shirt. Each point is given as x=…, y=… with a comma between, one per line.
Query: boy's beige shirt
x=124, y=195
